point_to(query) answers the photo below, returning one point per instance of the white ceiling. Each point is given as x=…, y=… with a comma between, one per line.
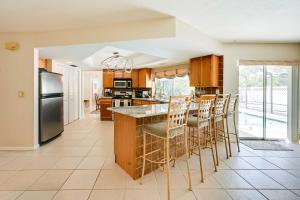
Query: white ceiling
x=145, y=53
x=224, y=20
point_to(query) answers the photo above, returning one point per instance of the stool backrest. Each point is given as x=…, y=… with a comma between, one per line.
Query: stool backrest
x=204, y=109
x=221, y=104
x=233, y=104
x=178, y=111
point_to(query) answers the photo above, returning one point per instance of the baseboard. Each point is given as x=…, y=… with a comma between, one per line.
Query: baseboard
x=19, y=148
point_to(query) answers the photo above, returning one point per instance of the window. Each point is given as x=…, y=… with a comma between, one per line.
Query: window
x=165, y=87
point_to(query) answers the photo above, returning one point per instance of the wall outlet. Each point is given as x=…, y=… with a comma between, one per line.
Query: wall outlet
x=21, y=94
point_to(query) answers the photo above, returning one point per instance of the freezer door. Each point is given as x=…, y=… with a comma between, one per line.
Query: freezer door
x=51, y=118
x=50, y=83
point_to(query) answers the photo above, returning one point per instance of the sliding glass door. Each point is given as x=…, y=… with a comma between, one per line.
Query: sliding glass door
x=263, y=107
x=277, y=90
x=251, y=101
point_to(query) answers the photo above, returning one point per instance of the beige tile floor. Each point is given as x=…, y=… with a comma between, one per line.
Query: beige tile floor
x=79, y=165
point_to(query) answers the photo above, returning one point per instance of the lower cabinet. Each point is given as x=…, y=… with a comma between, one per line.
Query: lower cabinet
x=137, y=102
x=104, y=113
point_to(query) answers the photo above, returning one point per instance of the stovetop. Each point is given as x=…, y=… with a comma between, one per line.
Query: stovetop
x=122, y=97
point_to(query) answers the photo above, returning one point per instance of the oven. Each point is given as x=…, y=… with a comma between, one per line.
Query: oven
x=121, y=102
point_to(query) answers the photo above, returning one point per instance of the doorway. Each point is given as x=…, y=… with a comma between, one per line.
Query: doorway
x=264, y=108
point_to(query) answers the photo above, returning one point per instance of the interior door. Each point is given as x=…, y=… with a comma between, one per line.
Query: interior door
x=66, y=95
x=73, y=95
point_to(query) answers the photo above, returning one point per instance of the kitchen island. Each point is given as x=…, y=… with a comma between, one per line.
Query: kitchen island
x=128, y=140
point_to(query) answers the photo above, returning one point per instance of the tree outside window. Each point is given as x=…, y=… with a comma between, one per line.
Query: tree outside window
x=166, y=87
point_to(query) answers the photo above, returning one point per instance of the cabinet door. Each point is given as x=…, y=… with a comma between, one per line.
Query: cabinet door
x=215, y=61
x=205, y=80
x=137, y=102
x=118, y=74
x=104, y=113
x=195, y=71
x=135, y=78
x=145, y=78
x=107, y=79
x=210, y=71
x=126, y=75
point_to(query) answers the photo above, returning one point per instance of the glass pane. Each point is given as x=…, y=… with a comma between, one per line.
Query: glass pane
x=163, y=87
x=182, y=86
x=251, y=101
x=277, y=101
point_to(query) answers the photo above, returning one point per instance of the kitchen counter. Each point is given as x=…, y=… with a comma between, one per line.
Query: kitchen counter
x=128, y=137
x=145, y=110
x=152, y=99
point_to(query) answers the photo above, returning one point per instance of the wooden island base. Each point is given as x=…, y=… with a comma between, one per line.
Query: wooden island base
x=128, y=144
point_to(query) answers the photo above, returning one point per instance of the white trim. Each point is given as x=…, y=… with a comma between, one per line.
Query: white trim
x=19, y=148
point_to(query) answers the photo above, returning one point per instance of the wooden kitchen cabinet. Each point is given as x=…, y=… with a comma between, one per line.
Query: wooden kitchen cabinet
x=195, y=71
x=122, y=74
x=145, y=102
x=204, y=71
x=145, y=78
x=136, y=102
x=127, y=75
x=135, y=78
x=107, y=79
x=104, y=113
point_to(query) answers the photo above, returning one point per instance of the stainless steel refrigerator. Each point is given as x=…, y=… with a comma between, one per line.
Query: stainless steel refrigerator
x=51, y=110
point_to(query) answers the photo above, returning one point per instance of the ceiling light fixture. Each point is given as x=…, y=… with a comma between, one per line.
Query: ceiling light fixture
x=117, y=62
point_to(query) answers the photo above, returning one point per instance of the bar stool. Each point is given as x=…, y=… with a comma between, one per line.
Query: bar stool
x=231, y=112
x=202, y=121
x=219, y=114
x=175, y=125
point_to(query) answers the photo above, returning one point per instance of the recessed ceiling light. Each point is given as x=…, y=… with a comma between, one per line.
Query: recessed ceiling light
x=69, y=62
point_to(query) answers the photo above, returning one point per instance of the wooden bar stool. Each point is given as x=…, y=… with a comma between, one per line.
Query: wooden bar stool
x=231, y=113
x=202, y=121
x=219, y=114
x=175, y=125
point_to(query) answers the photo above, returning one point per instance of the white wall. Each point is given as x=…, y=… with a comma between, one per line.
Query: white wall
x=234, y=52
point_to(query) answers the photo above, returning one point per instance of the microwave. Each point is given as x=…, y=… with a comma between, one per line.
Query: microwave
x=122, y=83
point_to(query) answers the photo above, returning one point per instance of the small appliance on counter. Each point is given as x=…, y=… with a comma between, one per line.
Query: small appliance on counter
x=51, y=110
x=142, y=94
x=139, y=93
x=107, y=92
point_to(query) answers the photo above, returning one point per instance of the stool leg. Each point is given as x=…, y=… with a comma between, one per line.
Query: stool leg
x=211, y=146
x=189, y=142
x=225, y=139
x=168, y=168
x=216, y=139
x=199, y=152
x=228, y=137
x=144, y=157
x=187, y=160
x=236, y=133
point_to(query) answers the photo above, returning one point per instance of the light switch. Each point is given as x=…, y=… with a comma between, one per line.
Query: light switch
x=20, y=94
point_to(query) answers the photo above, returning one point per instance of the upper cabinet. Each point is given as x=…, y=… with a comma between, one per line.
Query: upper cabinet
x=145, y=78
x=135, y=78
x=122, y=74
x=107, y=79
x=141, y=78
x=204, y=71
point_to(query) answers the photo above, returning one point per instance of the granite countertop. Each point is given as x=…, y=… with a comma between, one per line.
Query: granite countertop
x=145, y=110
x=152, y=99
